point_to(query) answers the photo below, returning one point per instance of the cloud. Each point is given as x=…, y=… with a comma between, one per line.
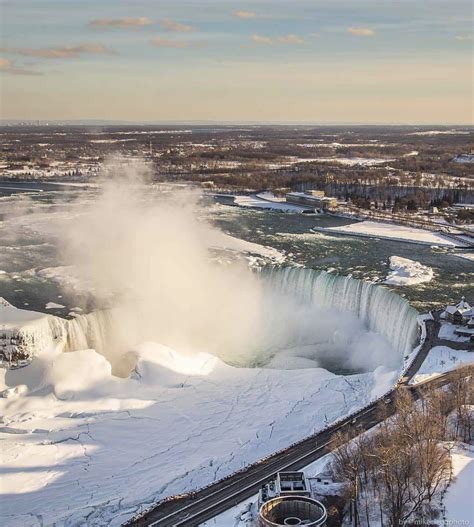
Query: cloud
x=61, y=52
x=161, y=42
x=246, y=15
x=7, y=66
x=171, y=25
x=291, y=39
x=268, y=41
x=120, y=22
x=463, y=37
x=361, y=31
x=258, y=39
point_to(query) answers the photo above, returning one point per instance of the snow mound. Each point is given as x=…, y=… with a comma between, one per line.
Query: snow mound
x=408, y=272
x=159, y=364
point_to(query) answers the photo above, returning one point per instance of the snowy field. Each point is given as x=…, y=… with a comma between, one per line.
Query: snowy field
x=354, y=161
x=393, y=232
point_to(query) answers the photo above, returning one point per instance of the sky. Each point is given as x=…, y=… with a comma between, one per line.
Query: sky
x=321, y=61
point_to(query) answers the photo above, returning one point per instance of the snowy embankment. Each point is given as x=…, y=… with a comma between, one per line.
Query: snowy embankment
x=408, y=272
x=75, y=440
x=390, y=231
x=442, y=359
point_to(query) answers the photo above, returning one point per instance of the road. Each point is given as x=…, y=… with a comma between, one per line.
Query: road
x=192, y=509
x=431, y=340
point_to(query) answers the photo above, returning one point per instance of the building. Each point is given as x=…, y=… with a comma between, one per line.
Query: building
x=461, y=314
x=313, y=198
x=287, y=500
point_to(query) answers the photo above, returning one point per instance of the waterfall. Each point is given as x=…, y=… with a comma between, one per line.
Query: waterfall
x=111, y=332
x=381, y=310
x=94, y=330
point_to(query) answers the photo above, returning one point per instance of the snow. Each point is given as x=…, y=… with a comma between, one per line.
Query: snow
x=12, y=318
x=442, y=359
x=447, y=331
x=73, y=434
x=53, y=305
x=464, y=158
x=458, y=500
x=440, y=132
x=408, y=272
x=353, y=161
x=466, y=256
x=391, y=231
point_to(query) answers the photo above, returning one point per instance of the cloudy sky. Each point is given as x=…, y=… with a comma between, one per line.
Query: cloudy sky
x=383, y=61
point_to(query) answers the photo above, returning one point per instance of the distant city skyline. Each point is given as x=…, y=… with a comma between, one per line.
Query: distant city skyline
x=321, y=61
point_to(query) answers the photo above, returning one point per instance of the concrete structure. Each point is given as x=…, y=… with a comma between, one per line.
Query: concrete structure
x=292, y=510
x=287, y=500
x=312, y=198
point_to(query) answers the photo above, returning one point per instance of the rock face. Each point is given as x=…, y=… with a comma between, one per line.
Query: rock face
x=24, y=334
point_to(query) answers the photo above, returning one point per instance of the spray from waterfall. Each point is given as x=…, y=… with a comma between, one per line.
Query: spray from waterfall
x=149, y=257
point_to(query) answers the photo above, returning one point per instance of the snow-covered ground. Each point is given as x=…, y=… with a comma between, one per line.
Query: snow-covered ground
x=466, y=256
x=393, y=232
x=458, y=500
x=442, y=359
x=447, y=331
x=354, y=161
x=408, y=272
x=94, y=447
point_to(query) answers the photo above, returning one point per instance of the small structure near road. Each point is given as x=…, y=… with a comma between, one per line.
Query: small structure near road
x=287, y=500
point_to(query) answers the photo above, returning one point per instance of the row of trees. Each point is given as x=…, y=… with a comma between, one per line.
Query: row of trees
x=398, y=474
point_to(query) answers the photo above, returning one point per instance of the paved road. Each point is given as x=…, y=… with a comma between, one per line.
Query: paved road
x=431, y=340
x=192, y=509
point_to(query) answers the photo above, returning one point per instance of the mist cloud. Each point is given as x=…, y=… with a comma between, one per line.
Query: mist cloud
x=148, y=255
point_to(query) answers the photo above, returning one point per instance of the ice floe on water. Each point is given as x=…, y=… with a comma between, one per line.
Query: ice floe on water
x=408, y=272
